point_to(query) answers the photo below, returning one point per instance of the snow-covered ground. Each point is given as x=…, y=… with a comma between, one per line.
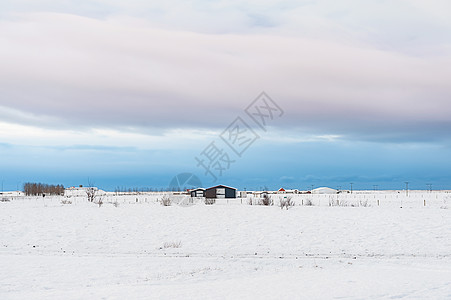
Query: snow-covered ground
x=139, y=249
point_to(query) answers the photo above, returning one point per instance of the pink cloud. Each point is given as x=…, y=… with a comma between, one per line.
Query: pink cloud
x=87, y=72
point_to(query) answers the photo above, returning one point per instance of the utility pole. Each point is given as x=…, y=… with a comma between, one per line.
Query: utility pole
x=407, y=188
x=430, y=186
x=312, y=188
x=351, y=186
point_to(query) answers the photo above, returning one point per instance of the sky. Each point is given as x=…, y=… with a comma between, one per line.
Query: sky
x=134, y=93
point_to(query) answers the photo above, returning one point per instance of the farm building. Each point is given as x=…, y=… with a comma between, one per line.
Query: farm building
x=220, y=191
x=79, y=191
x=324, y=190
x=285, y=191
x=295, y=191
x=199, y=192
x=256, y=194
x=13, y=194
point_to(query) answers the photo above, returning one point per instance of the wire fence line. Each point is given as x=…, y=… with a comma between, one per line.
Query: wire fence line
x=363, y=199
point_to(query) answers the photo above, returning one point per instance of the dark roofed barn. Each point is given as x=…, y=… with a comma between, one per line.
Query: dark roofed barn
x=199, y=192
x=220, y=191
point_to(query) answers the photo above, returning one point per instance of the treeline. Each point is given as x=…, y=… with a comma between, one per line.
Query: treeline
x=148, y=189
x=35, y=189
x=132, y=190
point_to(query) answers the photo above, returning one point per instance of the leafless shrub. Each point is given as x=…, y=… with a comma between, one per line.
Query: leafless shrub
x=307, y=202
x=266, y=200
x=166, y=201
x=445, y=205
x=210, y=201
x=64, y=201
x=98, y=199
x=338, y=202
x=286, y=202
x=99, y=202
x=344, y=203
x=177, y=244
x=115, y=203
x=364, y=203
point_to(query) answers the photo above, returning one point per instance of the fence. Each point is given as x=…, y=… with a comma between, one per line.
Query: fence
x=364, y=199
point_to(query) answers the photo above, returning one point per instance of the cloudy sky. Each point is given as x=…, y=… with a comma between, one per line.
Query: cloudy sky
x=130, y=93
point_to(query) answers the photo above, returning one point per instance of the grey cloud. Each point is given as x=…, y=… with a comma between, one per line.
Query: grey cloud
x=67, y=71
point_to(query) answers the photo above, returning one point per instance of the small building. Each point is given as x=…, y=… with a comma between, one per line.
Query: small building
x=243, y=194
x=324, y=190
x=199, y=192
x=81, y=191
x=295, y=191
x=256, y=194
x=220, y=191
x=285, y=191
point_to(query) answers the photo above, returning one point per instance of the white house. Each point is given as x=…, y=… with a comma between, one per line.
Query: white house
x=79, y=191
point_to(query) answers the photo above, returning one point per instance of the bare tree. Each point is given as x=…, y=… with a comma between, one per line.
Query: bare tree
x=91, y=191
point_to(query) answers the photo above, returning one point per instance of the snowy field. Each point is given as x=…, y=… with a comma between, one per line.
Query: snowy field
x=362, y=247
